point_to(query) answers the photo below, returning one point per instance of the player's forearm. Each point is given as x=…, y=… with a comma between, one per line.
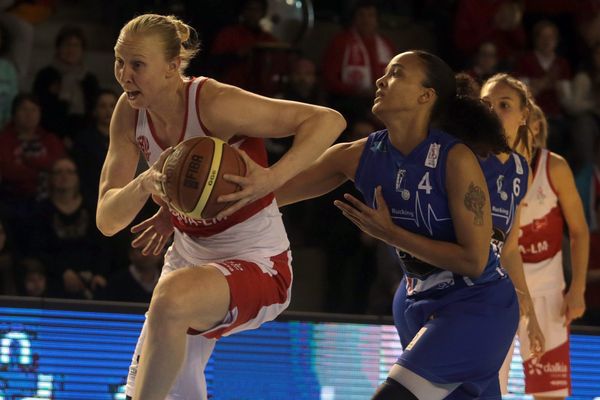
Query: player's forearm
x=512, y=262
x=449, y=256
x=307, y=185
x=313, y=137
x=580, y=244
x=117, y=207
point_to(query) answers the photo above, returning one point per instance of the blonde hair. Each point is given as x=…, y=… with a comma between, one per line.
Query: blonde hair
x=538, y=116
x=526, y=103
x=179, y=39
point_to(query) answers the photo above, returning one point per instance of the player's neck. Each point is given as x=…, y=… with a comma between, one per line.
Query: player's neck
x=503, y=157
x=66, y=200
x=406, y=135
x=167, y=111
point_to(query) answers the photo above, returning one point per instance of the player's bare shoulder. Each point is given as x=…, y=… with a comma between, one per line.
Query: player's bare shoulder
x=559, y=171
x=347, y=156
x=557, y=163
x=217, y=104
x=460, y=157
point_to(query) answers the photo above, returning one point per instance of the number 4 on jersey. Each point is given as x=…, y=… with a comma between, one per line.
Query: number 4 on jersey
x=424, y=184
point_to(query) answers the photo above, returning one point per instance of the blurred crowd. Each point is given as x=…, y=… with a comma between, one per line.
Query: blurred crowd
x=54, y=129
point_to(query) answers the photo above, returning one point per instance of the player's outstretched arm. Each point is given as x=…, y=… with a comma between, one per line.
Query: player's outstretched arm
x=229, y=111
x=122, y=195
x=337, y=165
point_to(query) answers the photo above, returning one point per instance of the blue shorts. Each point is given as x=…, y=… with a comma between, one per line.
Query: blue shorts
x=464, y=336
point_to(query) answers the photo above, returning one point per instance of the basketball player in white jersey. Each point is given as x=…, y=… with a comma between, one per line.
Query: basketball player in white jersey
x=551, y=200
x=220, y=276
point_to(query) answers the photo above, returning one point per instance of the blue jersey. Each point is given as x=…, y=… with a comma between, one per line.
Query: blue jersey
x=414, y=188
x=507, y=184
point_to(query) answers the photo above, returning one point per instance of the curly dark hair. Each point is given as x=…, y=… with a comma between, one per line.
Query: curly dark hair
x=458, y=110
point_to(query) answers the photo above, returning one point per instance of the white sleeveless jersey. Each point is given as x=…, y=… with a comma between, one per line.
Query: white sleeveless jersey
x=541, y=234
x=257, y=226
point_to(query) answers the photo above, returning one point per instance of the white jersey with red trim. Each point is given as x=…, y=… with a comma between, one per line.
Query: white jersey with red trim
x=263, y=214
x=541, y=234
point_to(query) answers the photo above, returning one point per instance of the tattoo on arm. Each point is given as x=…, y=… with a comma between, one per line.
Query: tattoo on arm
x=475, y=201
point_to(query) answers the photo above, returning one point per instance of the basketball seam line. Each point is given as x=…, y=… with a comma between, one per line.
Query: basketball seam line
x=214, y=170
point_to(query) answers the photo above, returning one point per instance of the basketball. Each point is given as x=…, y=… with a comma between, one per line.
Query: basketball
x=194, y=176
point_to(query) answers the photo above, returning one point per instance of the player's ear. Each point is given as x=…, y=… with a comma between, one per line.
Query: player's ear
x=427, y=95
x=173, y=68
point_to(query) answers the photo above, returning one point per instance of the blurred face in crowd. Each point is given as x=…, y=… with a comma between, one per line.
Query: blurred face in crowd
x=401, y=88
x=70, y=50
x=105, y=105
x=304, y=73
x=486, y=58
x=27, y=116
x=64, y=176
x=365, y=21
x=35, y=284
x=141, y=68
x=546, y=40
x=506, y=103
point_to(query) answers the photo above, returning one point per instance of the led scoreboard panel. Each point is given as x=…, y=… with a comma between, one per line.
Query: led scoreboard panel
x=74, y=350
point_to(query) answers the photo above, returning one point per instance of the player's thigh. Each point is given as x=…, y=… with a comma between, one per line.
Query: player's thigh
x=419, y=386
x=196, y=296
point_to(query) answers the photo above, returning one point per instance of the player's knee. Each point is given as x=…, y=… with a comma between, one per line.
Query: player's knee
x=393, y=390
x=168, y=300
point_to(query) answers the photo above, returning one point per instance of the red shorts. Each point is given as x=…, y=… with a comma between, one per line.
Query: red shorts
x=259, y=291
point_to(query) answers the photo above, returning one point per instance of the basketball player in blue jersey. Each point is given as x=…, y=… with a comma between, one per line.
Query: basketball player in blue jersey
x=426, y=196
x=507, y=177
x=223, y=275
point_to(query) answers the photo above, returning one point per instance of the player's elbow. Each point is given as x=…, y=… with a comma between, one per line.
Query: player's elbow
x=334, y=120
x=475, y=265
x=104, y=226
x=105, y=229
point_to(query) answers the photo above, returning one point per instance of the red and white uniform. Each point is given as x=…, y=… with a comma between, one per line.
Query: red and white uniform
x=540, y=242
x=250, y=248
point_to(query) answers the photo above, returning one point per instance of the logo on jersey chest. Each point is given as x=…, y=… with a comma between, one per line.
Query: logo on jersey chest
x=432, y=155
x=540, y=195
x=144, y=146
x=401, y=184
x=499, y=183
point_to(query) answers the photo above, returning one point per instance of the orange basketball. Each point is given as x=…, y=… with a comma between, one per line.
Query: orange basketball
x=195, y=172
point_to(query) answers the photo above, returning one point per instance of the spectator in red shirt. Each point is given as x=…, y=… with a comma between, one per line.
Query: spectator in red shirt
x=495, y=21
x=27, y=151
x=355, y=59
x=548, y=75
x=544, y=70
x=233, y=46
